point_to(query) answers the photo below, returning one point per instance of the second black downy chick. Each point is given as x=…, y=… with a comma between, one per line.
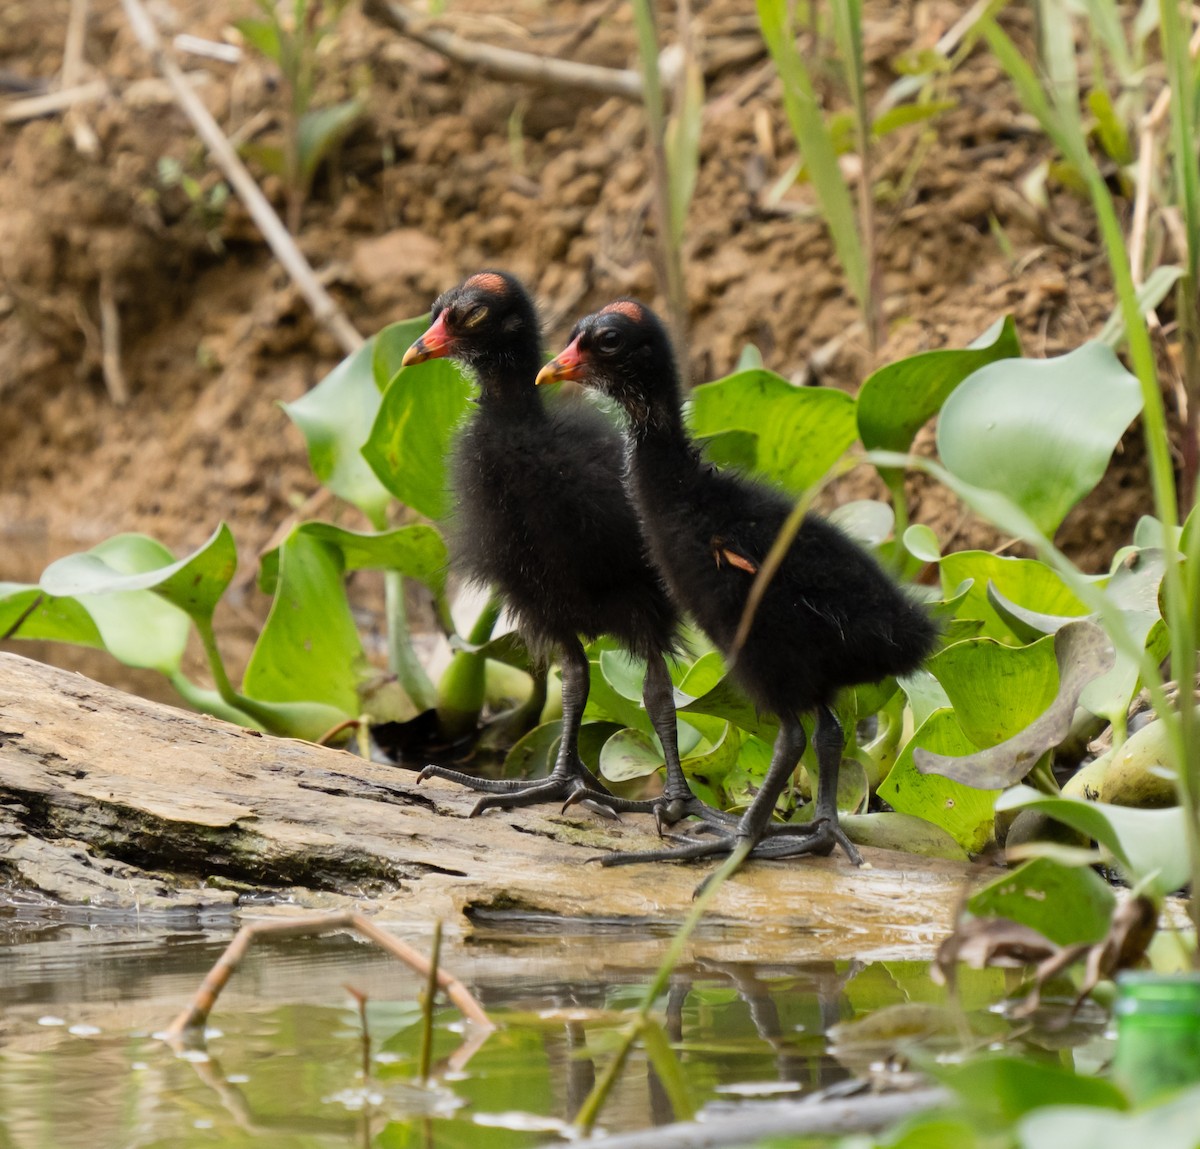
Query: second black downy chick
x=829, y=618
x=541, y=515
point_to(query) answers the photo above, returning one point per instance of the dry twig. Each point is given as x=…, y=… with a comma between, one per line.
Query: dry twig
x=196, y=1013
x=110, y=344
x=504, y=63
x=18, y=111
x=86, y=141
x=326, y=311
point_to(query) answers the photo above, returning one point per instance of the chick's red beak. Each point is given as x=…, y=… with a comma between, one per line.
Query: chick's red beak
x=434, y=344
x=568, y=364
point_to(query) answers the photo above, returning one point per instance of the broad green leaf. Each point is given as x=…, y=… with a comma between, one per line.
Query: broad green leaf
x=629, y=754
x=867, y=521
x=416, y=551
x=309, y=649
x=1168, y=1125
x=1026, y=582
x=335, y=418
x=1143, y=842
x=194, y=584
x=702, y=676
x=1066, y=904
x=924, y=693
x=996, y=690
x=725, y=700
x=533, y=755
x=390, y=345
x=936, y=1131
x=608, y=704
x=410, y=440
x=719, y=757
x=137, y=626
x=893, y=831
x=1018, y=679
x=1003, y=1088
x=800, y=431
x=921, y=542
x=1039, y=431
x=624, y=673
x=53, y=619
x=896, y=401
x=965, y=813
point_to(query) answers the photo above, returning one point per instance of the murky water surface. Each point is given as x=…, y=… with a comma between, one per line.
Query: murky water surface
x=287, y=1066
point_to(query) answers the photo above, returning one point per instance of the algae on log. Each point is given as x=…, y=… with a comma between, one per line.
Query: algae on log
x=108, y=800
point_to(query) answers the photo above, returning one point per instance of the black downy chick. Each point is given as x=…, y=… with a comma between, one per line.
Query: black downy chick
x=830, y=616
x=542, y=516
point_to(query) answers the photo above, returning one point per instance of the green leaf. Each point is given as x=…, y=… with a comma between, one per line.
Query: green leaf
x=1066, y=904
x=1168, y=1125
x=309, y=649
x=262, y=36
x=1143, y=842
x=867, y=521
x=416, y=551
x=1039, y=431
x=1002, y=1089
x=892, y=831
x=629, y=754
x=533, y=755
x=965, y=813
x=896, y=401
x=320, y=131
x=410, y=440
x=816, y=145
x=390, y=345
x=335, y=418
x=800, y=431
x=110, y=582
x=53, y=619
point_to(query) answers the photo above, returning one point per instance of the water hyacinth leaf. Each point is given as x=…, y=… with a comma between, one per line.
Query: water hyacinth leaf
x=963, y=811
x=925, y=694
x=630, y=754
x=608, y=704
x=1082, y=653
x=533, y=755
x=624, y=673
x=996, y=690
x=1066, y=904
x=921, y=542
x=1168, y=1125
x=896, y=401
x=1144, y=843
x=133, y=562
x=309, y=650
x=867, y=521
x=1002, y=1089
x=715, y=762
x=894, y=831
x=508, y=648
x=51, y=619
x=701, y=677
x=1027, y=582
x=408, y=444
x=390, y=345
x=335, y=418
x=1039, y=431
x=1027, y=625
x=800, y=431
x=416, y=551
x=725, y=700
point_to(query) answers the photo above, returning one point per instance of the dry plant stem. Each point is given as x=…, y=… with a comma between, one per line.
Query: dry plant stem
x=196, y=1013
x=326, y=311
x=110, y=343
x=85, y=139
x=428, y=1000
x=18, y=111
x=504, y=63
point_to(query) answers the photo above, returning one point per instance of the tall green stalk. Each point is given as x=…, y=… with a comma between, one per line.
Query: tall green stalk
x=1060, y=120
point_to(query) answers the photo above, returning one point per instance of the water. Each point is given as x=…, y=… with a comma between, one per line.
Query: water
x=286, y=1065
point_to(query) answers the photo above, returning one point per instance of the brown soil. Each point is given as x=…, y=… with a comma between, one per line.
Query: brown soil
x=449, y=172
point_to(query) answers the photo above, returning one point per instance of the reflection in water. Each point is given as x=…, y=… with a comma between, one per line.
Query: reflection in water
x=81, y=1069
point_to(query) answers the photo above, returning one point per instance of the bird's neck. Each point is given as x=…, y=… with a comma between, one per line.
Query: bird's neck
x=506, y=383
x=659, y=447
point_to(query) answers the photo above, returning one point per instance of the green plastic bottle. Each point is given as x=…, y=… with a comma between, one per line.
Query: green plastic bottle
x=1158, y=1033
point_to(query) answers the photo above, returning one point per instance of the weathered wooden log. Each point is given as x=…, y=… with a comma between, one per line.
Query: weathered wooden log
x=108, y=800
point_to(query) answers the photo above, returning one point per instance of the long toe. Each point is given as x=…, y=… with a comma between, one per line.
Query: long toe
x=817, y=838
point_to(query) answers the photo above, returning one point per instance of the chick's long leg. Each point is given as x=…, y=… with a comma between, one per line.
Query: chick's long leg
x=570, y=781
x=677, y=800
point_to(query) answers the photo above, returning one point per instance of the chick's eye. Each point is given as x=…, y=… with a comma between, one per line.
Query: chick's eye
x=608, y=341
x=475, y=316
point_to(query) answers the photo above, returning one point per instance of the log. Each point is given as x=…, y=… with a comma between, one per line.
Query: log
x=120, y=804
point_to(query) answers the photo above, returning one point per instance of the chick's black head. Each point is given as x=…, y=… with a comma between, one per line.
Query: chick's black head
x=623, y=351
x=487, y=322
